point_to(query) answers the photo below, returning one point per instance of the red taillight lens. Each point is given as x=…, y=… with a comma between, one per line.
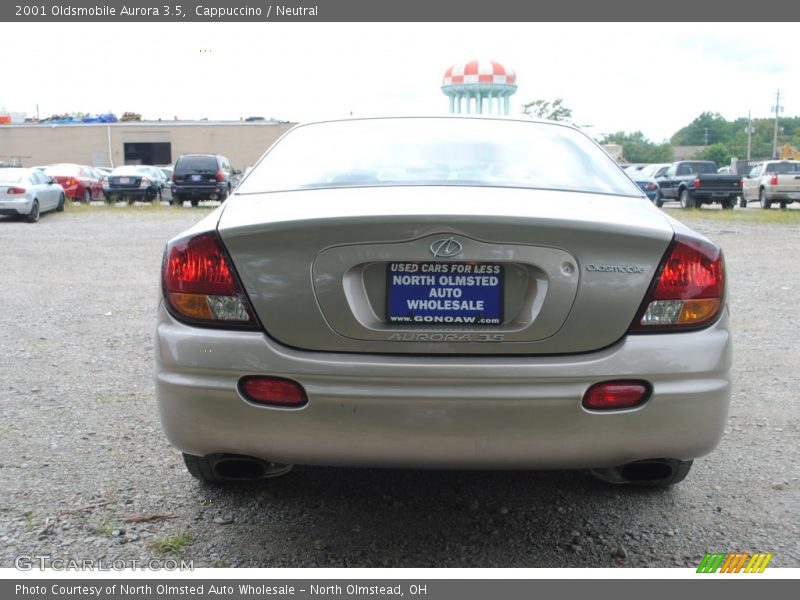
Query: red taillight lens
x=174, y=178
x=614, y=395
x=220, y=176
x=276, y=391
x=200, y=285
x=688, y=290
x=12, y=191
x=650, y=186
x=774, y=180
x=696, y=183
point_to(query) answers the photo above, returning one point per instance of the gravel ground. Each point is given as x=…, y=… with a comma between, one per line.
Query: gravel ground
x=86, y=473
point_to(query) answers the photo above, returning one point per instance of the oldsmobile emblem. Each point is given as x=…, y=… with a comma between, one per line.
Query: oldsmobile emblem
x=446, y=248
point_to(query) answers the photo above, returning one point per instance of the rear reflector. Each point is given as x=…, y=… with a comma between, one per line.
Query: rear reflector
x=611, y=395
x=688, y=290
x=275, y=391
x=200, y=286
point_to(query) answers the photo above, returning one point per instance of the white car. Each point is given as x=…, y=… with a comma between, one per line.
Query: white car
x=28, y=193
x=442, y=293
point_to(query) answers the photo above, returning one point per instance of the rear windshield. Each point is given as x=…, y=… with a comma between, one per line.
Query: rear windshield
x=437, y=151
x=13, y=175
x=695, y=168
x=130, y=170
x=783, y=167
x=196, y=164
x=63, y=170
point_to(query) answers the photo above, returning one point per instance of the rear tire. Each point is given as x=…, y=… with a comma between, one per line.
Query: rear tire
x=33, y=216
x=728, y=204
x=762, y=199
x=61, y=201
x=783, y=205
x=686, y=199
x=195, y=202
x=742, y=201
x=87, y=196
x=659, y=201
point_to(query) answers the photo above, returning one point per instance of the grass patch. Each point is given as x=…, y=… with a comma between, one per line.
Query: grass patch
x=172, y=543
x=736, y=216
x=155, y=207
x=106, y=529
x=106, y=399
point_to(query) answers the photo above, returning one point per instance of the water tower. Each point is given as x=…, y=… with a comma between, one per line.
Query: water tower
x=479, y=87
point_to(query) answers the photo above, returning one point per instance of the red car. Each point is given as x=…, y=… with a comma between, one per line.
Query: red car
x=80, y=182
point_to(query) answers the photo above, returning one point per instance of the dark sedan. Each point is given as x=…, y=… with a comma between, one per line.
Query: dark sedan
x=132, y=182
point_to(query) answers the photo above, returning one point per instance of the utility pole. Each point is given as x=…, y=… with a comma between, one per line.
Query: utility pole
x=750, y=131
x=777, y=109
x=705, y=136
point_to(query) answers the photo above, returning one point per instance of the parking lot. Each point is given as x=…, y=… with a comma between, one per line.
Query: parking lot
x=86, y=472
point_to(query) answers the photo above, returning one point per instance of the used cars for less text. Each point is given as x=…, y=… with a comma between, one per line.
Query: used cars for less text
x=442, y=293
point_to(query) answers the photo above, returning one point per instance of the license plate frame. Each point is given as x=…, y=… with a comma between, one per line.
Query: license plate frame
x=445, y=294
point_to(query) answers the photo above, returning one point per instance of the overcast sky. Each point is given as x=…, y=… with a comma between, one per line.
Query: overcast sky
x=614, y=77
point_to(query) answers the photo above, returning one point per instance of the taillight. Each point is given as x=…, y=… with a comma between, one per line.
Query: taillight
x=174, y=178
x=650, y=186
x=615, y=395
x=15, y=190
x=696, y=182
x=220, y=176
x=201, y=286
x=687, y=291
x=774, y=180
x=145, y=182
x=276, y=391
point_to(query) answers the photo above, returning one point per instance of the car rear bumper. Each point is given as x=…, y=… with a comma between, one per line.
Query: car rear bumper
x=708, y=196
x=197, y=191
x=783, y=196
x=16, y=207
x=129, y=192
x=442, y=411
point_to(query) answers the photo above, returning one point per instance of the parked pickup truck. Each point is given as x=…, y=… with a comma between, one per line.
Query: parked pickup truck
x=696, y=182
x=772, y=181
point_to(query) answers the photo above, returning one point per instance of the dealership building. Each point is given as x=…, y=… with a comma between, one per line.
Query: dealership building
x=137, y=142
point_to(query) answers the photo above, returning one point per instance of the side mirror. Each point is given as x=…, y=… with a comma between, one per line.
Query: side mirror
x=50, y=181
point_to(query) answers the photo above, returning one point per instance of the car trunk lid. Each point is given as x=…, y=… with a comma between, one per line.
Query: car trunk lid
x=543, y=272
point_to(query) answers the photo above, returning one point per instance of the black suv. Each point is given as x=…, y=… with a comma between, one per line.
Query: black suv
x=200, y=177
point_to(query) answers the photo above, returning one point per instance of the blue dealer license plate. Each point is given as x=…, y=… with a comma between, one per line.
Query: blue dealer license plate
x=427, y=293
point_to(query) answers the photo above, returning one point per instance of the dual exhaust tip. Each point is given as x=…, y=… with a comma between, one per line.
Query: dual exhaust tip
x=646, y=473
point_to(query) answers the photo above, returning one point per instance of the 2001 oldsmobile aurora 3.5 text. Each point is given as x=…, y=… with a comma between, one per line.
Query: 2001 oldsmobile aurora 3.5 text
x=442, y=293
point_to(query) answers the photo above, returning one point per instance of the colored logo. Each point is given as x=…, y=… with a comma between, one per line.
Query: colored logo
x=736, y=562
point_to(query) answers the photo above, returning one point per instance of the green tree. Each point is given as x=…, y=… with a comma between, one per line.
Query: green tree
x=545, y=109
x=708, y=128
x=638, y=149
x=719, y=153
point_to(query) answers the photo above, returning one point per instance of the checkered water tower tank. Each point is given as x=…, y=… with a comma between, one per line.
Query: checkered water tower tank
x=479, y=87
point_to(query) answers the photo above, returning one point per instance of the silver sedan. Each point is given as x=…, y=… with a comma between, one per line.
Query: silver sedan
x=28, y=193
x=442, y=293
